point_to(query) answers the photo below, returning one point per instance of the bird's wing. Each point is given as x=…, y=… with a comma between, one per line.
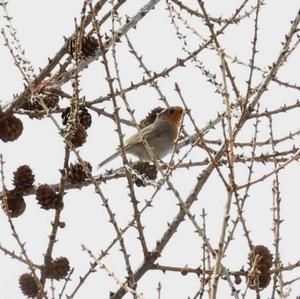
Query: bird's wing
x=136, y=138
x=147, y=132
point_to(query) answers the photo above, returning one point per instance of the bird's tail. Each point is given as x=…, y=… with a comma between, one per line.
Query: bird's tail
x=110, y=158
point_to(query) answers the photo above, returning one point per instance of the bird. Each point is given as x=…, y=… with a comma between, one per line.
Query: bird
x=160, y=136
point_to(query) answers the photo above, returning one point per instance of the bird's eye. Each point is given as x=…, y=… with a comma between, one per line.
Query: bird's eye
x=172, y=111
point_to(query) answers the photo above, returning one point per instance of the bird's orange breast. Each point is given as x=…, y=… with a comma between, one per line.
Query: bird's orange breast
x=174, y=120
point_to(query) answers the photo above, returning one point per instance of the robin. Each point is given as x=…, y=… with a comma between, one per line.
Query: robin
x=160, y=136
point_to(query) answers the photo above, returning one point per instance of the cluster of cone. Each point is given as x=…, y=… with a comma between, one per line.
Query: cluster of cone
x=89, y=46
x=83, y=123
x=11, y=127
x=50, y=100
x=47, y=197
x=13, y=203
x=57, y=269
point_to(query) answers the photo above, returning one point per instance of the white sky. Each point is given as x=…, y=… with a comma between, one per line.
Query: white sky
x=41, y=26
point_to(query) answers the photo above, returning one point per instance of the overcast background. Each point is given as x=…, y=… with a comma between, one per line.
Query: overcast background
x=41, y=26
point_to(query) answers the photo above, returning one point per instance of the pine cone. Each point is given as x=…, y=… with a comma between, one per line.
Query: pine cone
x=50, y=99
x=79, y=136
x=15, y=204
x=146, y=170
x=58, y=268
x=85, y=117
x=150, y=118
x=10, y=128
x=48, y=198
x=28, y=105
x=89, y=46
x=76, y=173
x=23, y=179
x=28, y=285
x=264, y=255
x=263, y=259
